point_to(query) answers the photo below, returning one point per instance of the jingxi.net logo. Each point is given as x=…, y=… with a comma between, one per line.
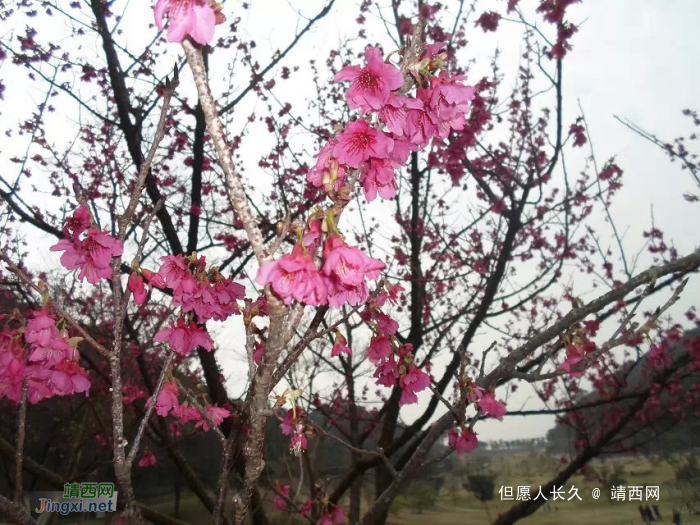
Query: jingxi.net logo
x=77, y=497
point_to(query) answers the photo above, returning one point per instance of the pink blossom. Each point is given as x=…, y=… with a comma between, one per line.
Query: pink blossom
x=186, y=413
x=490, y=406
x=93, y=255
x=40, y=329
x=153, y=278
x=414, y=380
x=78, y=222
x=281, y=498
x=447, y=102
x=194, y=18
x=148, y=459
x=574, y=354
x=167, y=398
x=327, y=172
x=379, y=348
x=137, y=288
x=287, y=423
x=173, y=270
x=294, y=277
x=347, y=267
x=464, y=442
x=386, y=372
x=217, y=415
x=359, y=142
x=395, y=113
x=378, y=177
x=184, y=337
x=340, y=346
x=371, y=85
x=385, y=324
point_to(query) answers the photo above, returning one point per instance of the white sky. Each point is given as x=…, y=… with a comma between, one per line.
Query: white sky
x=632, y=59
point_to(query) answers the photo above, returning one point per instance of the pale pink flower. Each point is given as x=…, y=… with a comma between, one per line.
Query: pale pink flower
x=359, y=142
x=184, y=337
x=194, y=18
x=371, y=85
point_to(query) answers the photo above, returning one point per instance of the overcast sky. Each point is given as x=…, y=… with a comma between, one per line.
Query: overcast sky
x=633, y=59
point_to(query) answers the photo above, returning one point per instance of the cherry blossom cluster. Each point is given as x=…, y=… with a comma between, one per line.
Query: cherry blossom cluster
x=341, y=278
x=86, y=248
x=167, y=403
x=52, y=367
x=394, y=362
x=206, y=294
x=391, y=125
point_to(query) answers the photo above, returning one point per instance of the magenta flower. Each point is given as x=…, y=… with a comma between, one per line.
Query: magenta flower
x=347, y=267
x=387, y=373
x=464, y=442
x=447, y=102
x=327, y=172
x=258, y=352
x=378, y=177
x=137, y=287
x=414, y=380
x=490, y=406
x=173, y=270
x=281, y=498
x=294, y=277
x=359, y=142
x=216, y=413
x=371, y=85
x=78, y=222
x=340, y=346
x=183, y=338
x=395, y=113
x=194, y=18
x=148, y=459
x=40, y=329
x=93, y=255
x=167, y=398
x=379, y=348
